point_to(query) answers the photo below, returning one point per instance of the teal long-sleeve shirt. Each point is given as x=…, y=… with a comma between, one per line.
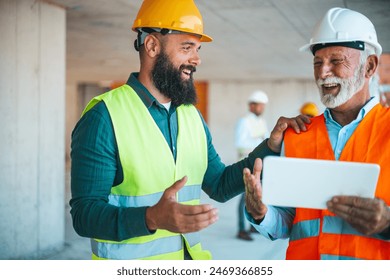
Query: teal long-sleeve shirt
x=95, y=169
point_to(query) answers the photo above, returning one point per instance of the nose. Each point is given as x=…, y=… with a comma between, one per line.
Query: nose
x=195, y=58
x=324, y=71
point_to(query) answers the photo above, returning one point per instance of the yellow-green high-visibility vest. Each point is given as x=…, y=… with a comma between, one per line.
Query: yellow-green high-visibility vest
x=148, y=169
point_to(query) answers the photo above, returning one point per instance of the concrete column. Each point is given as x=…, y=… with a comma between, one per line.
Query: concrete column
x=73, y=113
x=32, y=110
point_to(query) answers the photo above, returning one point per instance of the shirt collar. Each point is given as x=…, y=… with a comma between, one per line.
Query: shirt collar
x=362, y=113
x=147, y=98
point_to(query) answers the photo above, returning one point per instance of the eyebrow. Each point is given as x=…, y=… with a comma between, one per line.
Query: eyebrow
x=332, y=55
x=188, y=43
x=191, y=44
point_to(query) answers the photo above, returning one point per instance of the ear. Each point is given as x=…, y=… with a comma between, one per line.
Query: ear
x=152, y=45
x=371, y=65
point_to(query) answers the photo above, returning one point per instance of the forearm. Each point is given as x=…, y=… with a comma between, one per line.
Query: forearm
x=98, y=219
x=261, y=151
x=223, y=183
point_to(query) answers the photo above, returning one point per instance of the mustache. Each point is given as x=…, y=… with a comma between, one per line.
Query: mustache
x=329, y=80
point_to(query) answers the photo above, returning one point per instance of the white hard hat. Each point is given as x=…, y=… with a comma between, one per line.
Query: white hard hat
x=258, y=97
x=341, y=26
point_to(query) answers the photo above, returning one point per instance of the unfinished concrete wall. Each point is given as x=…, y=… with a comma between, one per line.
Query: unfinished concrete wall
x=32, y=109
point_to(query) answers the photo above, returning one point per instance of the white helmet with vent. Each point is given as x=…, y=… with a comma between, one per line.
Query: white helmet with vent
x=343, y=27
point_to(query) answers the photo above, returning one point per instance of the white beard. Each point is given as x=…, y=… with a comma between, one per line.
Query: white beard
x=348, y=88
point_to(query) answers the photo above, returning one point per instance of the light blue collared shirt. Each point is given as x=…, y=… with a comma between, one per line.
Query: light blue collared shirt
x=278, y=220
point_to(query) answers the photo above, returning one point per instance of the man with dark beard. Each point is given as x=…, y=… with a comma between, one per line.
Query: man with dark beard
x=168, y=81
x=354, y=127
x=142, y=153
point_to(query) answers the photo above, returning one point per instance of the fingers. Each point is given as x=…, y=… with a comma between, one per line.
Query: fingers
x=180, y=218
x=367, y=215
x=249, y=183
x=193, y=210
x=302, y=120
x=256, y=189
x=258, y=166
x=342, y=201
x=349, y=213
x=172, y=190
x=170, y=215
x=253, y=194
x=298, y=124
x=189, y=218
x=350, y=207
x=193, y=218
x=276, y=137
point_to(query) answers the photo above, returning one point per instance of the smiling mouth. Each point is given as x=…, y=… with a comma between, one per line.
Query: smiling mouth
x=187, y=73
x=330, y=87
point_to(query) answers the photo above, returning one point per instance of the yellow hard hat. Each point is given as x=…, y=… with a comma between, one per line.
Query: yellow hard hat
x=309, y=109
x=172, y=15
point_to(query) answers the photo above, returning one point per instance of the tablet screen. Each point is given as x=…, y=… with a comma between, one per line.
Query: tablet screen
x=310, y=183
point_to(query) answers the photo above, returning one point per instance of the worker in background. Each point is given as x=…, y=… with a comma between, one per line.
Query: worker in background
x=354, y=127
x=309, y=109
x=251, y=130
x=142, y=153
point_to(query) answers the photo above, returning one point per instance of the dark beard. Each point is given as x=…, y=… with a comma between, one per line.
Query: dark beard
x=168, y=81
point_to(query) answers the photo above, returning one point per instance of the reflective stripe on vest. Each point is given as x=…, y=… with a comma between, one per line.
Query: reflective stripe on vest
x=336, y=225
x=319, y=234
x=148, y=169
x=127, y=251
x=305, y=229
x=187, y=193
x=120, y=251
x=333, y=257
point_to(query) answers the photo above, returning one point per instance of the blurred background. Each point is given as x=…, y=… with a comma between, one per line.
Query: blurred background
x=55, y=55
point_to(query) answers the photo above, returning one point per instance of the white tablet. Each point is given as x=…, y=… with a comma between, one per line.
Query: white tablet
x=310, y=183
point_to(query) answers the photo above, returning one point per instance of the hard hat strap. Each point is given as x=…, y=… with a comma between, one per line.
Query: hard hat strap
x=359, y=45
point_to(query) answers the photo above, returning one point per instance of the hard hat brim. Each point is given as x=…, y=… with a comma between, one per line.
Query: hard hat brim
x=205, y=38
x=305, y=48
x=308, y=47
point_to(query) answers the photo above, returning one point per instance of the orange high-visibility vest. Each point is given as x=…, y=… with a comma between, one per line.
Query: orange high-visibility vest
x=319, y=234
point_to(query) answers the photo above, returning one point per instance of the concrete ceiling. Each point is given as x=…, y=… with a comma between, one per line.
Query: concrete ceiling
x=253, y=39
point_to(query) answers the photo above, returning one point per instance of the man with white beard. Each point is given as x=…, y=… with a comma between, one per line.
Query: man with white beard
x=354, y=127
